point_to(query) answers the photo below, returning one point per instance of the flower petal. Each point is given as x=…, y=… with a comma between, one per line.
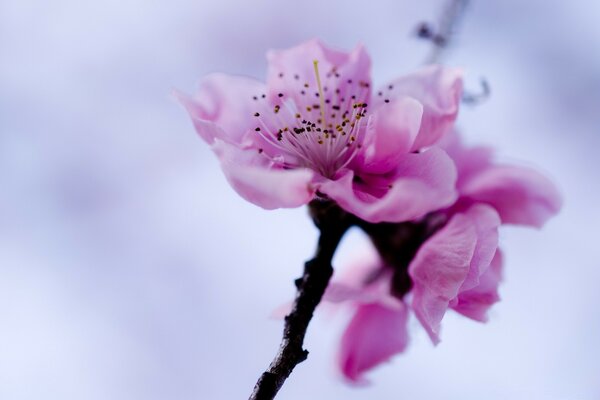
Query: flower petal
x=474, y=303
x=421, y=183
x=520, y=195
x=469, y=161
x=439, y=90
x=291, y=71
x=486, y=222
x=261, y=183
x=390, y=135
x=439, y=269
x=374, y=334
x=226, y=101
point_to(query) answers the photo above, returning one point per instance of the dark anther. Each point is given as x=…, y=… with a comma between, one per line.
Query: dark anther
x=255, y=98
x=280, y=95
x=387, y=100
x=257, y=129
x=281, y=74
x=256, y=114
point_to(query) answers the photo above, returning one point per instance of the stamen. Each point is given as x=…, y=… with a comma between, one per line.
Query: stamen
x=321, y=97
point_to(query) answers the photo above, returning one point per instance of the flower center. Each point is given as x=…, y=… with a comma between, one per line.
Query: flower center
x=323, y=134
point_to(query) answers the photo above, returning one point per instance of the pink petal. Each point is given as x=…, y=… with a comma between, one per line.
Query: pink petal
x=486, y=222
x=290, y=69
x=439, y=269
x=390, y=135
x=374, y=334
x=439, y=90
x=469, y=161
x=260, y=183
x=520, y=195
x=421, y=183
x=226, y=101
x=208, y=131
x=474, y=303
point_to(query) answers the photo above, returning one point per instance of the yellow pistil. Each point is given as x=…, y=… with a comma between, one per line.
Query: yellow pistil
x=321, y=96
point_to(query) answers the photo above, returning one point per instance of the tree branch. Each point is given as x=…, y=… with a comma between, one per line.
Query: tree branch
x=333, y=223
x=446, y=30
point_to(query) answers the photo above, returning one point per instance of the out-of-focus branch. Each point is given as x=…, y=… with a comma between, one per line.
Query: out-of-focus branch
x=333, y=223
x=447, y=27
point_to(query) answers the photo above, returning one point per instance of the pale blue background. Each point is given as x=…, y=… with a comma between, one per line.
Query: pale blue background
x=130, y=270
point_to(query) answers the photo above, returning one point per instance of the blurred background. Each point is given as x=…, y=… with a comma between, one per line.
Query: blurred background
x=130, y=270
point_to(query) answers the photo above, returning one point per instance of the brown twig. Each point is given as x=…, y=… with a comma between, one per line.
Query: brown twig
x=396, y=243
x=442, y=37
x=333, y=223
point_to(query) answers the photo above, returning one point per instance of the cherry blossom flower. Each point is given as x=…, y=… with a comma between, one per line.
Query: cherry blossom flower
x=316, y=129
x=458, y=266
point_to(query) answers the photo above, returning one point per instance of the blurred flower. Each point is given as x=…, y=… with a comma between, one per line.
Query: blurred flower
x=454, y=264
x=316, y=130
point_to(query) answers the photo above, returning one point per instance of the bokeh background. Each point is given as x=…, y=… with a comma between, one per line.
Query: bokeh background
x=130, y=270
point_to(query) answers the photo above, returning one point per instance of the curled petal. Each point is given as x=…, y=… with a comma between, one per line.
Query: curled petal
x=451, y=262
x=486, y=222
x=520, y=195
x=374, y=334
x=226, y=101
x=291, y=71
x=474, y=303
x=390, y=135
x=263, y=184
x=421, y=183
x=439, y=90
x=439, y=269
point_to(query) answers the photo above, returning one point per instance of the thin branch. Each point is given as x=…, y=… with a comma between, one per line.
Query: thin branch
x=333, y=223
x=447, y=27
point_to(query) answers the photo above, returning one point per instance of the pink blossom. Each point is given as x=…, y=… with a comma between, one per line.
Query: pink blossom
x=519, y=194
x=317, y=129
x=458, y=267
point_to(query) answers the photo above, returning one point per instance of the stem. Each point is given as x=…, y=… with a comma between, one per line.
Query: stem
x=333, y=223
x=448, y=26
